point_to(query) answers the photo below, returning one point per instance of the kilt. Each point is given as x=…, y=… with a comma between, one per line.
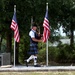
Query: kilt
x=33, y=49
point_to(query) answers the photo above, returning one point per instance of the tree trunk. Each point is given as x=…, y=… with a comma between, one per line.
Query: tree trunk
x=0, y=42
x=72, y=35
x=9, y=42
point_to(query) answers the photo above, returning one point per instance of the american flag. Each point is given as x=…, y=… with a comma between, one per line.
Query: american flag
x=46, y=26
x=14, y=27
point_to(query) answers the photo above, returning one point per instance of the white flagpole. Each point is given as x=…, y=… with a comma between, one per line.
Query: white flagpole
x=14, y=51
x=47, y=53
x=47, y=43
x=14, y=39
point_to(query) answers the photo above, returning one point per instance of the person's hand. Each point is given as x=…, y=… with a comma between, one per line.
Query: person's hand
x=40, y=40
x=41, y=37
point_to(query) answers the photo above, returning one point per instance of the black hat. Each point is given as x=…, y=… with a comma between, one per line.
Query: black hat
x=34, y=25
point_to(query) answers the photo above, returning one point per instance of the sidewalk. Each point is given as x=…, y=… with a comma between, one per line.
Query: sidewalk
x=32, y=69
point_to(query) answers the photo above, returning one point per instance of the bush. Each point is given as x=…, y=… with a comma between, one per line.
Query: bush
x=60, y=54
x=52, y=53
x=64, y=53
x=42, y=55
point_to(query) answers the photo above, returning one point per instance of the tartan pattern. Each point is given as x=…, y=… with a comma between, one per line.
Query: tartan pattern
x=33, y=49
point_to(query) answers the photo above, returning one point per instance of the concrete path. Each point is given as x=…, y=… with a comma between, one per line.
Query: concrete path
x=32, y=69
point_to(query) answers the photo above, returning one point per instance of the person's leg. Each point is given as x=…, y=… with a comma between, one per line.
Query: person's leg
x=30, y=58
x=35, y=60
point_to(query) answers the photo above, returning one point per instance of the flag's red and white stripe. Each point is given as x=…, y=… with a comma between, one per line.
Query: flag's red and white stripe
x=46, y=31
x=16, y=34
x=14, y=27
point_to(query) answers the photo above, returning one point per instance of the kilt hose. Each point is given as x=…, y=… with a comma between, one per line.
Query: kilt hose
x=33, y=49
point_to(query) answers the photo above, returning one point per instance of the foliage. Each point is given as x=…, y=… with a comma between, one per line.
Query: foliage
x=60, y=54
x=3, y=47
x=23, y=49
x=61, y=13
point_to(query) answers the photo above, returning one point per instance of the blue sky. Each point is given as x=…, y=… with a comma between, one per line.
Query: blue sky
x=61, y=31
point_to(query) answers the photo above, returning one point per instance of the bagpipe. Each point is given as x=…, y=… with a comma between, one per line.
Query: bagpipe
x=38, y=33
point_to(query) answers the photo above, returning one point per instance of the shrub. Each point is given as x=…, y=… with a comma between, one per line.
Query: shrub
x=60, y=54
x=42, y=55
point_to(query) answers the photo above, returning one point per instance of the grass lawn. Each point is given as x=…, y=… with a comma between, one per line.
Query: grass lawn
x=40, y=73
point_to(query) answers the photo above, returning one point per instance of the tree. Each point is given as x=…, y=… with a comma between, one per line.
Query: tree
x=68, y=10
x=25, y=9
x=60, y=11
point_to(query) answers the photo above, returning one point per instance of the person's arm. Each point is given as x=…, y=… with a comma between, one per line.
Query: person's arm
x=36, y=40
x=32, y=35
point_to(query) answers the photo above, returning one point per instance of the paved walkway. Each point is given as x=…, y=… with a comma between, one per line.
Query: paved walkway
x=32, y=69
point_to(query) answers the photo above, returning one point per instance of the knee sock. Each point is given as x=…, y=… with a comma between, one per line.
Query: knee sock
x=35, y=60
x=30, y=58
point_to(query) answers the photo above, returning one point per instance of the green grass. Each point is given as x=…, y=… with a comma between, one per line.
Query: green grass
x=40, y=73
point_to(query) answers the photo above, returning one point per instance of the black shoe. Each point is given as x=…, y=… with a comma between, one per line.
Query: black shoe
x=37, y=65
x=26, y=63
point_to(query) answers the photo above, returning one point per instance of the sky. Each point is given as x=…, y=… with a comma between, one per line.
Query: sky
x=61, y=31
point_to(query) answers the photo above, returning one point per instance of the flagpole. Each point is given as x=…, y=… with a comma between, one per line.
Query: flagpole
x=14, y=51
x=47, y=53
x=47, y=43
x=14, y=39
